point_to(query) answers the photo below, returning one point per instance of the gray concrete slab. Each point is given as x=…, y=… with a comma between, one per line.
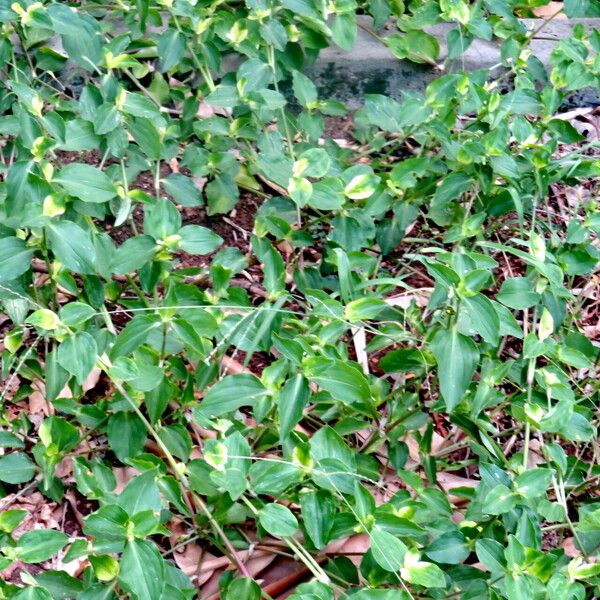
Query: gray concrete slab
x=370, y=67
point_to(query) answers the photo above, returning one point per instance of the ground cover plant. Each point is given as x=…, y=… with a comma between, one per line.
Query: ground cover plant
x=254, y=346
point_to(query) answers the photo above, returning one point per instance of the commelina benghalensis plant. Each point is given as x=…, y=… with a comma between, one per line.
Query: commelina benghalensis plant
x=396, y=352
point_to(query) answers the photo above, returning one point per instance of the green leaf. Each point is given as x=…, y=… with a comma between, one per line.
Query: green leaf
x=229, y=394
x=183, y=190
x=134, y=334
x=126, y=435
x=222, y=194
x=142, y=570
x=416, y=46
x=278, y=520
x=74, y=314
x=245, y=588
x=318, y=510
x=421, y=572
x=72, y=246
x=77, y=355
x=388, y=551
x=60, y=584
x=581, y=8
x=171, y=48
x=138, y=105
x=106, y=119
x=16, y=468
x=451, y=188
x=11, y=519
x=304, y=89
x=344, y=382
x=517, y=293
x=344, y=30
x=15, y=258
x=108, y=523
x=481, y=318
x=364, y=309
x=457, y=358
x=449, y=548
x=133, y=254
x=499, y=500
x=32, y=593
x=40, y=545
x=291, y=401
x=141, y=493
x=86, y=182
x=196, y=239
x=491, y=554
x=146, y=135
x=534, y=482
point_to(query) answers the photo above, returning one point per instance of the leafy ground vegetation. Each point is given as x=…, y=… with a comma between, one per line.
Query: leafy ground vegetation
x=254, y=346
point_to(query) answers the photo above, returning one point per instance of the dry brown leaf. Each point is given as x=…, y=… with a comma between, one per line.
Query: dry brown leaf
x=39, y=407
x=354, y=547
x=550, y=10
x=569, y=547
x=123, y=475
x=403, y=300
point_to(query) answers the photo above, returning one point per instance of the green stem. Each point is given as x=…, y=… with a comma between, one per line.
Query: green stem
x=176, y=469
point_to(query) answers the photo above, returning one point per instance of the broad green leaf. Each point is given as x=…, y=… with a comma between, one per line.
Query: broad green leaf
x=222, y=194
x=450, y=548
x=16, y=468
x=480, y=317
x=499, y=500
x=364, y=309
x=107, y=523
x=581, y=8
x=126, y=435
x=421, y=572
x=416, y=46
x=517, y=293
x=86, y=182
x=142, y=570
x=15, y=258
x=230, y=394
x=171, y=48
x=344, y=382
x=133, y=254
x=77, y=355
x=278, y=520
x=146, y=135
x=40, y=545
x=106, y=119
x=457, y=358
x=74, y=314
x=134, y=334
x=318, y=510
x=183, y=189
x=11, y=519
x=196, y=239
x=533, y=482
x=32, y=593
x=72, y=246
x=388, y=551
x=245, y=588
x=304, y=89
x=59, y=584
x=491, y=554
x=291, y=401
x=141, y=493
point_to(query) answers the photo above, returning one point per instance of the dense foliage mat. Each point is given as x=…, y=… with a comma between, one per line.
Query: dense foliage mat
x=253, y=345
